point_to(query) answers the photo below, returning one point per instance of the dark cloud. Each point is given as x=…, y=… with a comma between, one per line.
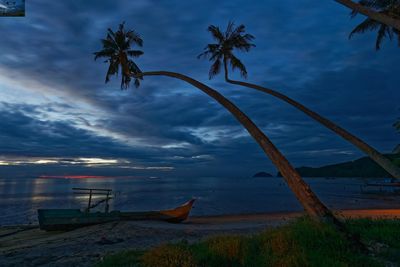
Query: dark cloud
x=55, y=102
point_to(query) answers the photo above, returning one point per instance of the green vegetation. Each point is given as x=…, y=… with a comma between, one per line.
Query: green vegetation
x=301, y=243
x=363, y=167
x=384, y=7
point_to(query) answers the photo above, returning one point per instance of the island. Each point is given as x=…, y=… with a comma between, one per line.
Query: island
x=363, y=167
x=262, y=174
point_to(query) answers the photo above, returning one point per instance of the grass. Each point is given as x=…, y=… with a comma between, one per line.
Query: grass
x=125, y=258
x=302, y=243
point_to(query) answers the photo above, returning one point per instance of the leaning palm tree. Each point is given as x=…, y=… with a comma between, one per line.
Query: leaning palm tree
x=118, y=54
x=235, y=38
x=388, y=7
x=374, y=12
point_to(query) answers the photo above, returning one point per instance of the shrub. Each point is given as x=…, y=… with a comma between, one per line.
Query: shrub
x=168, y=256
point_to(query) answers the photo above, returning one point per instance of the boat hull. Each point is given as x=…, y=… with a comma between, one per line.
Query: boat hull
x=69, y=219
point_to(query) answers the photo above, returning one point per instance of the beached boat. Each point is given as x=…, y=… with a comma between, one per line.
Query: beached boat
x=68, y=219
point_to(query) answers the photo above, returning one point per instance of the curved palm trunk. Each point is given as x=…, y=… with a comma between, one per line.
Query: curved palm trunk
x=302, y=191
x=370, y=151
x=382, y=18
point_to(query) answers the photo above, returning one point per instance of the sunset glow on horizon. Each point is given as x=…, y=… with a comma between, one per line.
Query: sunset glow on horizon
x=89, y=177
x=72, y=177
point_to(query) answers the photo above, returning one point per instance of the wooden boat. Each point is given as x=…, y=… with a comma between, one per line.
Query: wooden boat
x=68, y=219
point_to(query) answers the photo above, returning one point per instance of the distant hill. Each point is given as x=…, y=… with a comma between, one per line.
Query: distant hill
x=363, y=167
x=262, y=174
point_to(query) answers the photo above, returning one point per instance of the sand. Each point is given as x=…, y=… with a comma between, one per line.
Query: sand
x=29, y=246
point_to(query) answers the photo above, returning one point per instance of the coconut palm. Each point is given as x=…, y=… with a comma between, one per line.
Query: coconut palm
x=221, y=54
x=118, y=57
x=389, y=7
x=117, y=51
x=376, y=11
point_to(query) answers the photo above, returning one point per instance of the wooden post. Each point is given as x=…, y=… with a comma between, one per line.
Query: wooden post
x=90, y=200
x=107, y=207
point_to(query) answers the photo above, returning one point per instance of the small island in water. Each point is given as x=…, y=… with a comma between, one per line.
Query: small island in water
x=262, y=174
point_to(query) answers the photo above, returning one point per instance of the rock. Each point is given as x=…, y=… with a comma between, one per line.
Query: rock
x=106, y=241
x=262, y=174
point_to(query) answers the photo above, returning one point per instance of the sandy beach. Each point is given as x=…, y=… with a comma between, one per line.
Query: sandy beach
x=29, y=246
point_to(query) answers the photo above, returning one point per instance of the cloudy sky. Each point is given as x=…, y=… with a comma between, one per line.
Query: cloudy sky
x=58, y=117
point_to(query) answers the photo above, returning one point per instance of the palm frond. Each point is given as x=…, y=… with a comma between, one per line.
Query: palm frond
x=237, y=64
x=109, y=43
x=209, y=50
x=110, y=33
x=134, y=37
x=113, y=69
x=134, y=53
x=239, y=30
x=216, y=33
x=248, y=37
x=120, y=37
x=381, y=35
x=229, y=29
x=217, y=55
x=367, y=25
x=104, y=53
x=242, y=44
x=378, y=5
x=137, y=83
x=387, y=7
x=125, y=81
x=215, y=69
x=135, y=70
x=204, y=54
x=240, y=39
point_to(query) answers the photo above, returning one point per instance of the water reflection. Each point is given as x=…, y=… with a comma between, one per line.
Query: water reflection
x=22, y=197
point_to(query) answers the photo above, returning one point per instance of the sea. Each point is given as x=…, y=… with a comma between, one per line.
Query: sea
x=21, y=197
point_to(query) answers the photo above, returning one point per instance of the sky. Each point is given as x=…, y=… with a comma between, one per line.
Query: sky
x=58, y=117
x=10, y=6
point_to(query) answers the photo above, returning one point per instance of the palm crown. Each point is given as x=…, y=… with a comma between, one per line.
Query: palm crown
x=118, y=53
x=387, y=7
x=222, y=51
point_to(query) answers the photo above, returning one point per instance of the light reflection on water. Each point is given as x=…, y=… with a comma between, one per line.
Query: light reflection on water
x=20, y=198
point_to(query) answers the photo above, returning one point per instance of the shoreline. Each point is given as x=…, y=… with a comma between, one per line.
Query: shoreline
x=344, y=213
x=26, y=245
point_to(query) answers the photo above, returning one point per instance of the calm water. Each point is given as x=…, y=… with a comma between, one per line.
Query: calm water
x=19, y=198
